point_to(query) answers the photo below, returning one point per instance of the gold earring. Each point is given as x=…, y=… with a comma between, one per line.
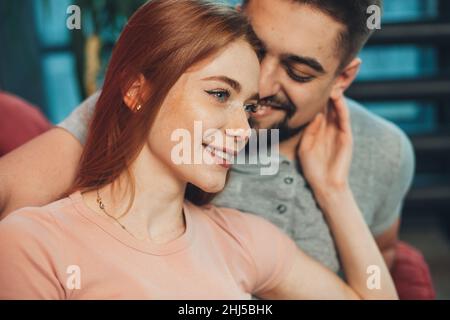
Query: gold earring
x=138, y=108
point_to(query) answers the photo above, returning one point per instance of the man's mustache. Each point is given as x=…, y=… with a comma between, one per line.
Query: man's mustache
x=276, y=103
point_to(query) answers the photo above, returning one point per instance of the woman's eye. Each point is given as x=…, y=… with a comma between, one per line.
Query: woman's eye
x=251, y=107
x=220, y=95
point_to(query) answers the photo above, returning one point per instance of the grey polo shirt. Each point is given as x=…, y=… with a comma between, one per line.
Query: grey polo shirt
x=381, y=173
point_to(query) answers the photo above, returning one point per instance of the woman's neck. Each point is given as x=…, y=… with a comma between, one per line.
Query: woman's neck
x=156, y=213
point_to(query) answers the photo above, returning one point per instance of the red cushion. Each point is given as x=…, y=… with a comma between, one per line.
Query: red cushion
x=411, y=274
x=19, y=122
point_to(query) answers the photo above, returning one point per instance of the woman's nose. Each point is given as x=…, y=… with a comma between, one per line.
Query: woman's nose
x=240, y=135
x=238, y=128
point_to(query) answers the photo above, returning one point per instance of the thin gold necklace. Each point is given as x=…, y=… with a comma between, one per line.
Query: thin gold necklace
x=102, y=207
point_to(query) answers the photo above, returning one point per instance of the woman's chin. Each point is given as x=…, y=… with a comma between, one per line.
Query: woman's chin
x=210, y=184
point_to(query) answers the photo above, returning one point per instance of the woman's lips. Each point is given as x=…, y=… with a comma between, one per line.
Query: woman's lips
x=221, y=157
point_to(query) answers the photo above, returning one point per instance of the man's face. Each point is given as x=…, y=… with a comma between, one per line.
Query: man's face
x=300, y=59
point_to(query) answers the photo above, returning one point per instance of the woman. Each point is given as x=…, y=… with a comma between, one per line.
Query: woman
x=137, y=226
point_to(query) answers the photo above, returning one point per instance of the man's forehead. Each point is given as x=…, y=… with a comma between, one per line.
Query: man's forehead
x=286, y=27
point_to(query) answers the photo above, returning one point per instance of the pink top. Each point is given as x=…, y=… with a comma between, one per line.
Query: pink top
x=67, y=251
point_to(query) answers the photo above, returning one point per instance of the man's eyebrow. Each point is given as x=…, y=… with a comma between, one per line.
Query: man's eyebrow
x=231, y=82
x=310, y=62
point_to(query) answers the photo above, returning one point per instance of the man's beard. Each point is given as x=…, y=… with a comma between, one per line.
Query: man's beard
x=285, y=132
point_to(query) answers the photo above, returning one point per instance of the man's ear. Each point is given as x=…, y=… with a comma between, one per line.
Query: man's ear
x=135, y=95
x=346, y=78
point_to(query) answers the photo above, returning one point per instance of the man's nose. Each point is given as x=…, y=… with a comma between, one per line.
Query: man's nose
x=268, y=82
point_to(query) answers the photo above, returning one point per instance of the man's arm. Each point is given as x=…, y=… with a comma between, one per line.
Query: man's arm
x=38, y=172
x=387, y=218
x=43, y=169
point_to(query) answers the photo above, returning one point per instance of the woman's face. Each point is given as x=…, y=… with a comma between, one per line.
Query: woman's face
x=202, y=122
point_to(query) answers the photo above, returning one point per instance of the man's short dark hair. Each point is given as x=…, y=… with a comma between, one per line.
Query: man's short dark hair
x=353, y=15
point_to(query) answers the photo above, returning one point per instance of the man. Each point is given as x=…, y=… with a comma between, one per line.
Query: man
x=308, y=57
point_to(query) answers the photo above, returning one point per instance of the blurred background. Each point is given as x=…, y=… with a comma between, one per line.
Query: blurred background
x=405, y=78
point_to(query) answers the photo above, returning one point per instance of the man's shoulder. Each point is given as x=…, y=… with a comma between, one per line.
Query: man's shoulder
x=378, y=143
x=374, y=132
x=368, y=124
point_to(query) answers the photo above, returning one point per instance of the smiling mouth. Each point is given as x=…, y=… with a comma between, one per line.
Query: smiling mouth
x=265, y=109
x=223, y=156
x=272, y=104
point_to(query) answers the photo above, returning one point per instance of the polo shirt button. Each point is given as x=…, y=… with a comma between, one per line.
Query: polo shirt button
x=281, y=208
x=288, y=180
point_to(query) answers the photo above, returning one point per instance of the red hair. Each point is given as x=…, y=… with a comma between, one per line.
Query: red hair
x=161, y=41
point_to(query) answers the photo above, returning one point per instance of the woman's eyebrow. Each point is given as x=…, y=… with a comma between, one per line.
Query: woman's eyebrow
x=231, y=82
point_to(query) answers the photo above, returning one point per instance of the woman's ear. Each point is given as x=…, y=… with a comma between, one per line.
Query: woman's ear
x=346, y=78
x=135, y=95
